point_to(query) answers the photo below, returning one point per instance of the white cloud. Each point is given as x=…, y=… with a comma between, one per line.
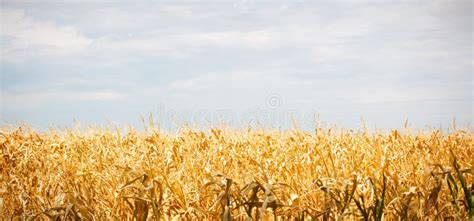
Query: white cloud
x=99, y=96
x=27, y=34
x=258, y=39
x=179, y=44
x=206, y=82
x=179, y=11
x=37, y=99
x=208, y=55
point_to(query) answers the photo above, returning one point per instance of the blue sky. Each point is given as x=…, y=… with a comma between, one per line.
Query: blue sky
x=238, y=62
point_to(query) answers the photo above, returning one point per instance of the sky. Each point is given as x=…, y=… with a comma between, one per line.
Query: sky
x=270, y=63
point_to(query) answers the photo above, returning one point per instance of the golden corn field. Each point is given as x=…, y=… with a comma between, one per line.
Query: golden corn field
x=230, y=174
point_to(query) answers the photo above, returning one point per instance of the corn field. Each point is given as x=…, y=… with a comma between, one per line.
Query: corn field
x=236, y=174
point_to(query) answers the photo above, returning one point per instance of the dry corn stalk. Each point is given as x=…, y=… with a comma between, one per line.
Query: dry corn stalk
x=235, y=174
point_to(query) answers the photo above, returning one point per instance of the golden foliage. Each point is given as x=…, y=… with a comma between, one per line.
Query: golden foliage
x=228, y=174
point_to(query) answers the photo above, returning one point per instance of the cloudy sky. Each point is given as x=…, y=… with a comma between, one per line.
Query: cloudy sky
x=244, y=61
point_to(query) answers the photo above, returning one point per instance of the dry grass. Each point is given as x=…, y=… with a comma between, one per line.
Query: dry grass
x=332, y=174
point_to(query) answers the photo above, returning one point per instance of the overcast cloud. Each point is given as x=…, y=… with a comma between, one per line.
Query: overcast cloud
x=99, y=62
